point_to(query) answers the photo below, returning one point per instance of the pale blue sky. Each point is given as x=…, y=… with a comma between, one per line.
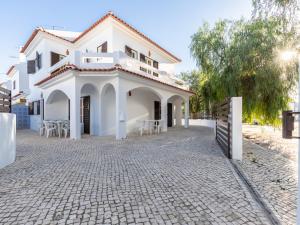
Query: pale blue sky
x=170, y=23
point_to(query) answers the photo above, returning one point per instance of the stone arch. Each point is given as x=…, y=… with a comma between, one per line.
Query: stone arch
x=108, y=109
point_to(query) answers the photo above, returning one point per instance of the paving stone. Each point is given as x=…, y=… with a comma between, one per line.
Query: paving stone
x=274, y=176
x=178, y=177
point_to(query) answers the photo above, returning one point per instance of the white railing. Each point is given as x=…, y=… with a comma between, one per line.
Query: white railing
x=93, y=60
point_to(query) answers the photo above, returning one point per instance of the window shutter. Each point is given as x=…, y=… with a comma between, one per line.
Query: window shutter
x=30, y=108
x=38, y=60
x=128, y=50
x=142, y=58
x=104, y=47
x=38, y=108
x=54, y=58
x=31, y=66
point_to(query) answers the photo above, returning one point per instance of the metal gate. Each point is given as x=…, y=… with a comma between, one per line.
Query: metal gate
x=223, y=131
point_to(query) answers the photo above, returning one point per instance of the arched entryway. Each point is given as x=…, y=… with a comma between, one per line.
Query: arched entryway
x=143, y=103
x=108, y=110
x=57, y=106
x=89, y=109
x=175, y=109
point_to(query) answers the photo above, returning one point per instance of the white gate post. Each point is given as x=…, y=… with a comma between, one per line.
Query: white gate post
x=236, y=128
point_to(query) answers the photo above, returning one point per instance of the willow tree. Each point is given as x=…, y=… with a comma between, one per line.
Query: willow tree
x=240, y=58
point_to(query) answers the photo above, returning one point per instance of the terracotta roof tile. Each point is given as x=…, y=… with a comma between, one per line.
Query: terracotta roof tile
x=10, y=69
x=109, y=14
x=115, y=68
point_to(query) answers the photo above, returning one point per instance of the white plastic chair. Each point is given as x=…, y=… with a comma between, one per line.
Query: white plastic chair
x=50, y=128
x=66, y=128
x=42, y=129
x=157, y=126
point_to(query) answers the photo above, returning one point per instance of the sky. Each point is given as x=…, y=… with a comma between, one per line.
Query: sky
x=170, y=23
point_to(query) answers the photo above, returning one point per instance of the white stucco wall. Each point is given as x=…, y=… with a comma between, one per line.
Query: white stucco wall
x=7, y=139
x=57, y=110
x=108, y=110
x=140, y=106
x=35, y=122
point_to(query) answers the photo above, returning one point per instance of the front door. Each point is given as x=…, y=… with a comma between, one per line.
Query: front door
x=170, y=112
x=86, y=114
x=157, y=110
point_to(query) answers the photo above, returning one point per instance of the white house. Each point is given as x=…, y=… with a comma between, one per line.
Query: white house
x=104, y=78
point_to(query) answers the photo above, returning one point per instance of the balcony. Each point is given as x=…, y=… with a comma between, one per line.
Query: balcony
x=109, y=60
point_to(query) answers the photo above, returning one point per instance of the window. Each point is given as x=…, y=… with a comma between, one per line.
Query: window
x=102, y=48
x=34, y=108
x=148, y=61
x=30, y=108
x=155, y=64
x=142, y=58
x=143, y=69
x=14, y=84
x=130, y=52
x=38, y=59
x=55, y=58
x=155, y=74
x=31, y=66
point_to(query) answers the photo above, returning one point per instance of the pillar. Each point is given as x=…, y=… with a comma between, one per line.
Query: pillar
x=75, y=127
x=186, y=113
x=121, y=110
x=164, y=114
x=178, y=112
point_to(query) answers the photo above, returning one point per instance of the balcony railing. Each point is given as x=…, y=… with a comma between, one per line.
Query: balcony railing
x=109, y=60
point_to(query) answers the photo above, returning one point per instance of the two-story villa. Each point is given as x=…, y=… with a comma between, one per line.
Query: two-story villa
x=103, y=79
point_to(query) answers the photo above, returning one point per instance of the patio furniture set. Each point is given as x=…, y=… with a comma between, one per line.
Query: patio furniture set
x=149, y=126
x=55, y=128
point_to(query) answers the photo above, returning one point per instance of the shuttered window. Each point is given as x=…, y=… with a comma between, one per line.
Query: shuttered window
x=102, y=48
x=31, y=66
x=130, y=52
x=34, y=108
x=55, y=58
x=142, y=58
x=38, y=60
x=38, y=107
x=30, y=108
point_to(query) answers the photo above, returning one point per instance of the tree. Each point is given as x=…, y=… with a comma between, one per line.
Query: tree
x=284, y=10
x=238, y=58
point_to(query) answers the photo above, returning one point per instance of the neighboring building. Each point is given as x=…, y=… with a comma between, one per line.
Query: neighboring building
x=103, y=79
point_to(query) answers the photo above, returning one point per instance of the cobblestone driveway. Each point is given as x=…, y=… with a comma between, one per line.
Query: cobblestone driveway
x=180, y=177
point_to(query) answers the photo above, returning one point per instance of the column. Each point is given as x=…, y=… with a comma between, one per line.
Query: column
x=164, y=114
x=186, y=113
x=121, y=111
x=75, y=128
x=178, y=112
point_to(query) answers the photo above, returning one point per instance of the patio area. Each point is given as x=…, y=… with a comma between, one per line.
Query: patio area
x=178, y=177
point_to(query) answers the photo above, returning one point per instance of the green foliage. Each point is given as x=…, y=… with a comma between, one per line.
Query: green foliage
x=240, y=58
